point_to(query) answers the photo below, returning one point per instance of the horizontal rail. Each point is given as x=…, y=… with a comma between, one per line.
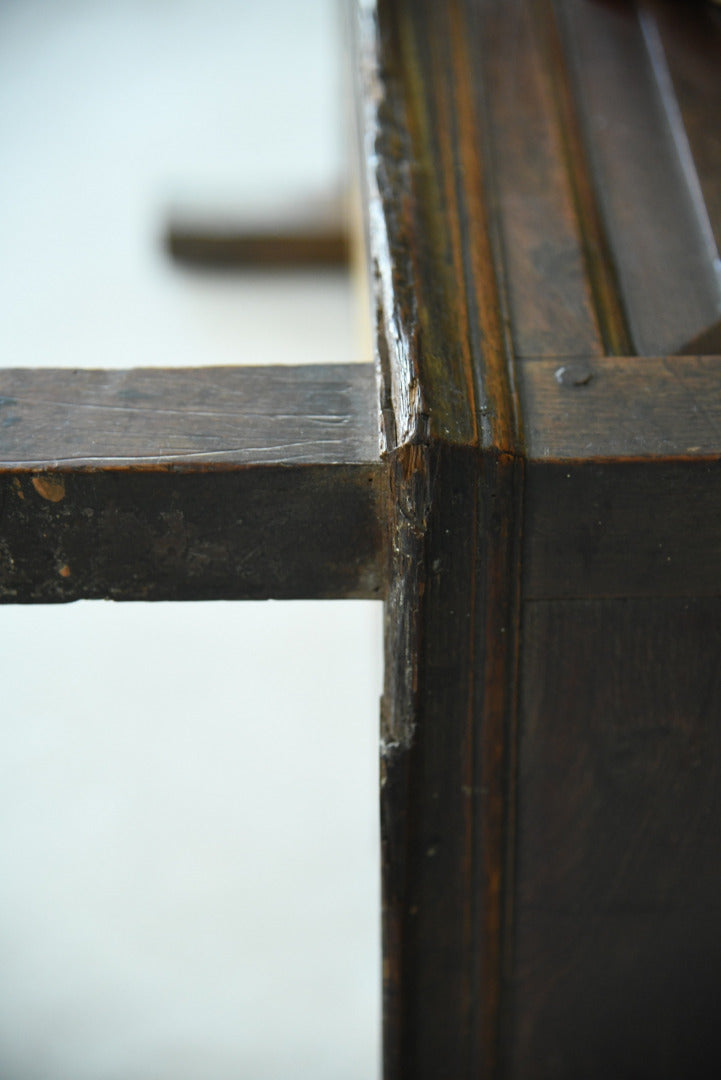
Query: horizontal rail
x=302, y=233
x=191, y=484
x=622, y=494
x=225, y=247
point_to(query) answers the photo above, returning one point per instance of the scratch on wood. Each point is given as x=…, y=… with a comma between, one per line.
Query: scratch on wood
x=411, y=485
x=175, y=455
x=214, y=414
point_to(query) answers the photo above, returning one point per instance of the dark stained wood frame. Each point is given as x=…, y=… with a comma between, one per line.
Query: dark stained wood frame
x=234, y=483
x=542, y=517
x=542, y=182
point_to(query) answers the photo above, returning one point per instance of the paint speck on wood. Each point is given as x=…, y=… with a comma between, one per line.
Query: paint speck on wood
x=50, y=487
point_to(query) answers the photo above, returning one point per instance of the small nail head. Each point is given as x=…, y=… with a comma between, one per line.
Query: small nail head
x=574, y=373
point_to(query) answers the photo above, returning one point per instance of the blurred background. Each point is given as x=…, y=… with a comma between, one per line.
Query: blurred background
x=188, y=824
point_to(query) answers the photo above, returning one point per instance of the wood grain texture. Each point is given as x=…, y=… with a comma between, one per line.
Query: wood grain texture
x=627, y=528
x=216, y=483
x=541, y=188
x=646, y=179
x=622, y=482
x=187, y=418
x=618, y=944
x=536, y=182
x=602, y=273
x=613, y=407
x=442, y=351
x=536, y=205
x=450, y=440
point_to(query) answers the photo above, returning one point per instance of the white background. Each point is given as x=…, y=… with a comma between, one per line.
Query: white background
x=188, y=826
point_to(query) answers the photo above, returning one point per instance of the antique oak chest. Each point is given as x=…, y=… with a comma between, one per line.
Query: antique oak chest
x=535, y=493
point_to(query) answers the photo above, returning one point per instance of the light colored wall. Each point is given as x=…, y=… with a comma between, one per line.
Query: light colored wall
x=188, y=834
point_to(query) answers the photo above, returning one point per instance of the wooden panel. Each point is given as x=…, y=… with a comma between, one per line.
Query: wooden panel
x=528, y=199
x=618, y=939
x=574, y=217
x=622, y=529
x=652, y=205
x=216, y=483
x=693, y=50
x=575, y=203
x=536, y=182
